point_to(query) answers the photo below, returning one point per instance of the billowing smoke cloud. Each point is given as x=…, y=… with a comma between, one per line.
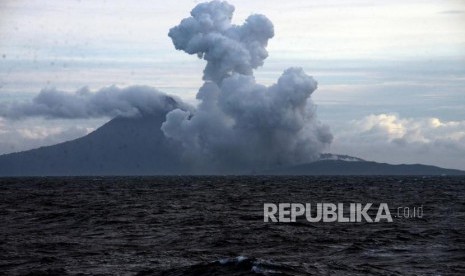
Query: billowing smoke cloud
x=240, y=124
x=227, y=48
x=107, y=102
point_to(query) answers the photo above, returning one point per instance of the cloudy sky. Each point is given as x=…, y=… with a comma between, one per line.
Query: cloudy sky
x=391, y=74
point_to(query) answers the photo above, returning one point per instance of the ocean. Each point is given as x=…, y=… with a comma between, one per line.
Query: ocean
x=214, y=225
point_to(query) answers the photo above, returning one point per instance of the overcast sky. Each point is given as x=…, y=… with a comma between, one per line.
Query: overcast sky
x=391, y=74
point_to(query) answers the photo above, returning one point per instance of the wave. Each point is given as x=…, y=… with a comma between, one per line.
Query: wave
x=240, y=265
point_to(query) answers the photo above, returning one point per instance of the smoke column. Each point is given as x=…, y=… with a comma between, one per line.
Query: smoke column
x=240, y=124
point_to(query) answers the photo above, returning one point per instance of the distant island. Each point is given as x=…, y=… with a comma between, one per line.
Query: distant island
x=137, y=146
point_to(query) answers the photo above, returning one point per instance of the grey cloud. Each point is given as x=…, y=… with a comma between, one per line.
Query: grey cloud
x=453, y=12
x=239, y=123
x=107, y=102
x=226, y=47
x=394, y=139
x=16, y=137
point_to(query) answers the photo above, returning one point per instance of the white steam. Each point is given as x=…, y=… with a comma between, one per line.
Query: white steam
x=239, y=123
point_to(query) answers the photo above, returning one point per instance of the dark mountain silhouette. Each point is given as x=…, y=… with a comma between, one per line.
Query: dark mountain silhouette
x=136, y=146
x=123, y=146
x=352, y=167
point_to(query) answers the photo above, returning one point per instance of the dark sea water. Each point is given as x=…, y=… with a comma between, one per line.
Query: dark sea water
x=214, y=226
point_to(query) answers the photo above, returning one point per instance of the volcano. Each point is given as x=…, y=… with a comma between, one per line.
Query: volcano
x=123, y=146
x=137, y=146
x=238, y=127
